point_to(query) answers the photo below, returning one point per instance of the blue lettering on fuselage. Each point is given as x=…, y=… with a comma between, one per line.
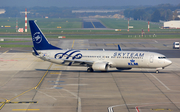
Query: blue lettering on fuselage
x=70, y=53
x=129, y=54
x=124, y=54
x=141, y=55
x=132, y=63
x=119, y=54
x=132, y=54
x=136, y=55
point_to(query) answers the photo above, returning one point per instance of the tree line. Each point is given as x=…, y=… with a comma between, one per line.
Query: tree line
x=164, y=12
x=56, y=12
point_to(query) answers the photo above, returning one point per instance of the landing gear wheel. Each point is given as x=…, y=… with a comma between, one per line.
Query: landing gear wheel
x=157, y=71
x=90, y=70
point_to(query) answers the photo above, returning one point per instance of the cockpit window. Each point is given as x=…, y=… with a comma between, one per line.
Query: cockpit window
x=162, y=57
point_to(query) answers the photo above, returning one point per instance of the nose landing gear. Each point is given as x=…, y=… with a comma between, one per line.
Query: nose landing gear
x=157, y=71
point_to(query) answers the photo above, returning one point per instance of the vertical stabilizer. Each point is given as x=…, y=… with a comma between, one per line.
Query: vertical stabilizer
x=39, y=40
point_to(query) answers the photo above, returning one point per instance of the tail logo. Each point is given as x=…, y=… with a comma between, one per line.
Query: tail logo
x=132, y=63
x=37, y=37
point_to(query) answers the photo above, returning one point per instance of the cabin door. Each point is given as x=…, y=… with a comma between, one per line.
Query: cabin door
x=151, y=58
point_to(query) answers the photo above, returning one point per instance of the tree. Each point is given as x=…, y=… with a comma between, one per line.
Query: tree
x=156, y=16
x=139, y=14
x=169, y=15
x=175, y=15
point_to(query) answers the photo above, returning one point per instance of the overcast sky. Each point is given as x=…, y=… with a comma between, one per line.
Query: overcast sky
x=83, y=3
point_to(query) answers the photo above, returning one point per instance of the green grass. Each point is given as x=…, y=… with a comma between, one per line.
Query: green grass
x=42, y=23
x=63, y=23
x=49, y=26
x=118, y=36
x=6, y=44
x=13, y=41
x=11, y=45
x=112, y=36
x=123, y=24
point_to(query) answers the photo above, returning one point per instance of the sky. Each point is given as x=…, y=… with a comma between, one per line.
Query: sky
x=84, y=3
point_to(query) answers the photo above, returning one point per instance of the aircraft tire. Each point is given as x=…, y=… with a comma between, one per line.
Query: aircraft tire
x=157, y=71
x=90, y=70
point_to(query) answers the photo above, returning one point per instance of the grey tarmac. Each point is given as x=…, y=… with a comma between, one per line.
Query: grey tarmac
x=30, y=84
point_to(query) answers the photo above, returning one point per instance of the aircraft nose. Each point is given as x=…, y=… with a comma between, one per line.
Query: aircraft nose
x=168, y=62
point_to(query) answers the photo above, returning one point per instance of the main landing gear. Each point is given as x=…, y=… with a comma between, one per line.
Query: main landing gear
x=157, y=71
x=90, y=70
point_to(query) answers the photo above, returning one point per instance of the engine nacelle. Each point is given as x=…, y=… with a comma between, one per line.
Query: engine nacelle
x=100, y=66
x=123, y=68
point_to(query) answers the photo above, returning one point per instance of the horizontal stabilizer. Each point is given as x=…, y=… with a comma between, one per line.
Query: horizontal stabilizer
x=36, y=53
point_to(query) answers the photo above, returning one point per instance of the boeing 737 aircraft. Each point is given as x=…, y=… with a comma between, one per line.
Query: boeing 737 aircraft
x=94, y=59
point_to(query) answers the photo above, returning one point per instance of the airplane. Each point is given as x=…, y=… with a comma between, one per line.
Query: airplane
x=94, y=60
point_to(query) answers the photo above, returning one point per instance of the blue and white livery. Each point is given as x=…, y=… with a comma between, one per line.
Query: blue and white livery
x=94, y=60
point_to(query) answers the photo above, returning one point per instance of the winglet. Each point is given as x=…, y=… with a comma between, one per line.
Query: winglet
x=119, y=48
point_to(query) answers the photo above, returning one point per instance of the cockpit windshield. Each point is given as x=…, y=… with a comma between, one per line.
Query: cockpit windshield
x=162, y=57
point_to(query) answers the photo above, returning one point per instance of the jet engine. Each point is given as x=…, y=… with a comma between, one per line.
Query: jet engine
x=100, y=66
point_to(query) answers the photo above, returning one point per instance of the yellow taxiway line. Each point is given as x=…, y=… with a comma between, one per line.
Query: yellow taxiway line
x=7, y=101
x=25, y=109
x=5, y=52
x=72, y=44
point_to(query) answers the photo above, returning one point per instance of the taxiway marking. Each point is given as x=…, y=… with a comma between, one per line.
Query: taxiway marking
x=77, y=97
x=21, y=102
x=57, y=80
x=155, y=41
x=161, y=109
x=5, y=52
x=110, y=109
x=25, y=109
x=47, y=95
x=160, y=81
x=72, y=44
x=27, y=90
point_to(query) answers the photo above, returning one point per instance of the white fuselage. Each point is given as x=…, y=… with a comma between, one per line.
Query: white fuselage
x=94, y=59
x=120, y=59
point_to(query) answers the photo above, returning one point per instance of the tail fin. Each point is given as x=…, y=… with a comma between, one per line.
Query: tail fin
x=39, y=40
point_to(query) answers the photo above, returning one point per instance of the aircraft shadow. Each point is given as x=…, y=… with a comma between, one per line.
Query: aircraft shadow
x=109, y=71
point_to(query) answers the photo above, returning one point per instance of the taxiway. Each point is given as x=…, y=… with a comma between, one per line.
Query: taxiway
x=30, y=84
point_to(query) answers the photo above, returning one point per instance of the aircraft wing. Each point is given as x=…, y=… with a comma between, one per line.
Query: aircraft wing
x=79, y=61
x=62, y=61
